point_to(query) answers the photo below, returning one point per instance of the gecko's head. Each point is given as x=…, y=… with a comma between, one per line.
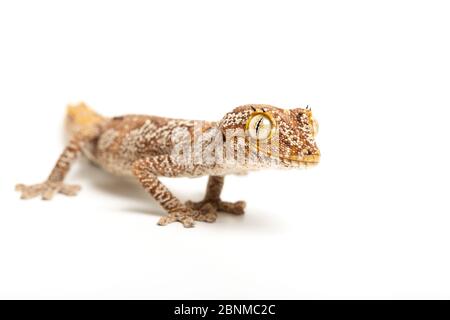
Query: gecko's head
x=286, y=136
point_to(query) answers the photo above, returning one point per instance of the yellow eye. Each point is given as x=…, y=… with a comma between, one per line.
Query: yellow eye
x=260, y=125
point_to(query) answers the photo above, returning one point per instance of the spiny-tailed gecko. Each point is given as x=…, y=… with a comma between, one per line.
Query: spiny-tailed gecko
x=250, y=137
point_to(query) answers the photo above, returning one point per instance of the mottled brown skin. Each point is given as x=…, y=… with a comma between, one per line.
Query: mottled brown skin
x=143, y=147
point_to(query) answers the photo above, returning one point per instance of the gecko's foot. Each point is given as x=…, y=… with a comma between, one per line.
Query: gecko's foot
x=183, y=215
x=47, y=190
x=207, y=213
x=236, y=208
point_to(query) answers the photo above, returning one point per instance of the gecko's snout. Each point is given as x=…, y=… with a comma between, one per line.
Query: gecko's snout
x=315, y=126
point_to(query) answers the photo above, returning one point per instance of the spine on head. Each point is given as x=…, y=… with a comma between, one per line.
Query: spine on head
x=80, y=116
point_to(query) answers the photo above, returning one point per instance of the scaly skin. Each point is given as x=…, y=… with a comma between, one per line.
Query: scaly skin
x=148, y=147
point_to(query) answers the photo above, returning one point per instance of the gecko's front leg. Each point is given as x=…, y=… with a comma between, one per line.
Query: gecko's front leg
x=55, y=182
x=212, y=202
x=147, y=171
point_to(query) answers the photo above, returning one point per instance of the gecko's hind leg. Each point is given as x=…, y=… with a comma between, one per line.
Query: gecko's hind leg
x=212, y=202
x=55, y=182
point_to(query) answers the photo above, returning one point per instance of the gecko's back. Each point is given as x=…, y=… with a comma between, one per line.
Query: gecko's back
x=122, y=140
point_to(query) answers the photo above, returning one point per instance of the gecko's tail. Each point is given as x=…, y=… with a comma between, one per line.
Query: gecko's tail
x=80, y=116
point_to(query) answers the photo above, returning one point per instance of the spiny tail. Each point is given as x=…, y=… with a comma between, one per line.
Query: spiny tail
x=80, y=116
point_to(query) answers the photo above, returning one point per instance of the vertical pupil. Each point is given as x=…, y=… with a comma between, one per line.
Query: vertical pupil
x=259, y=123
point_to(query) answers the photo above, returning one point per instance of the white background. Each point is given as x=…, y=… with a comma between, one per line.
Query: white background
x=371, y=221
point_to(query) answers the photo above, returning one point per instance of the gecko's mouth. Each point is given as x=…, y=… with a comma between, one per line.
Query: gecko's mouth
x=309, y=160
x=293, y=160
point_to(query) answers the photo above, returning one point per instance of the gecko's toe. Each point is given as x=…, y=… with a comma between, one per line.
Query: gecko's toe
x=237, y=208
x=188, y=222
x=164, y=221
x=46, y=190
x=183, y=215
x=29, y=192
x=70, y=189
x=48, y=193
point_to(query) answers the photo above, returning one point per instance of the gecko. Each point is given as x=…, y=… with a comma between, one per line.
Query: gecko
x=250, y=137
